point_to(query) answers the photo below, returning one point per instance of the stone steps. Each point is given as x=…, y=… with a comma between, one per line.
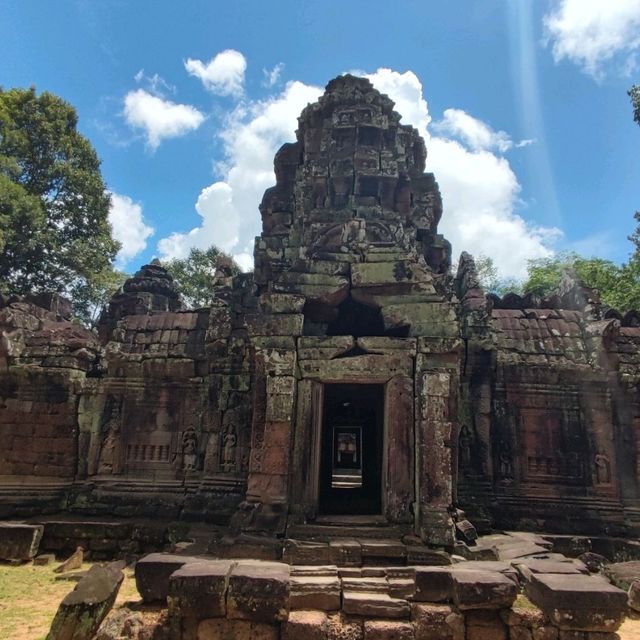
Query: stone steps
x=326, y=532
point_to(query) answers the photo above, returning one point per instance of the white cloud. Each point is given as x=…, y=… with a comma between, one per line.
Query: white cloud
x=475, y=133
x=222, y=75
x=480, y=189
x=251, y=135
x=128, y=227
x=271, y=76
x=159, y=118
x=591, y=33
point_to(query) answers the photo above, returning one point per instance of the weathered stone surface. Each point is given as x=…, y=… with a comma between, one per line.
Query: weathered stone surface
x=44, y=559
x=306, y=553
x=83, y=609
x=388, y=630
x=482, y=590
x=341, y=627
x=225, y=629
x=437, y=622
x=310, y=625
x=315, y=592
x=578, y=602
x=622, y=574
x=153, y=572
x=433, y=584
x=375, y=605
x=73, y=562
x=634, y=595
x=420, y=555
x=199, y=589
x=259, y=591
x=19, y=541
x=485, y=625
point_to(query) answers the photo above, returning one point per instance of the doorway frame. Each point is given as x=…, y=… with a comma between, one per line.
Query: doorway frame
x=395, y=373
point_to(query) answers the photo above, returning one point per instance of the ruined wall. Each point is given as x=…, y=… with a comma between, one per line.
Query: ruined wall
x=548, y=438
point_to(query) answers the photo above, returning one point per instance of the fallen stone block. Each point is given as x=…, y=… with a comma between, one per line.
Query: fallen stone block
x=73, y=562
x=505, y=568
x=83, y=609
x=19, y=541
x=388, y=630
x=482, y=590
x=152, y=574
x=578, y=602
x=526, y=565
x=199, y=589
x=433, y=584
x=310, y=625
x=634, y=595
x=374, y=605
x=259, y=591
x=622, y=574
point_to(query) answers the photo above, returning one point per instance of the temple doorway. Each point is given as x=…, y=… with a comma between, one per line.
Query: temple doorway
x=351, y=449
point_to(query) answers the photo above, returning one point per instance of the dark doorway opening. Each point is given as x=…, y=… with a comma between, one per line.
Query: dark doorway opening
x=351, y=455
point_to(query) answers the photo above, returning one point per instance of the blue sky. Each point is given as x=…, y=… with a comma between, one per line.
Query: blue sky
x=523, y=106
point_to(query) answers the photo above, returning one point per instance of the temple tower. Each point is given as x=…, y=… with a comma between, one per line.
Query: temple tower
x=355, y=337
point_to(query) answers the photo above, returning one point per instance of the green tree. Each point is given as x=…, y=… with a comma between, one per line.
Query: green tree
x=634, y=94
x=91, y=296
x=194, y=275
x=619, y=286
x=491, y=281
x=54, y=228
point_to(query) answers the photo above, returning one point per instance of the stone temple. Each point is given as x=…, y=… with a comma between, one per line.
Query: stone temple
x=353, y=380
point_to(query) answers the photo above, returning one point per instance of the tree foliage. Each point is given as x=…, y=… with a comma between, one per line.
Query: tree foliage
x=54, y=228
x=194, y=274
x=634, y=94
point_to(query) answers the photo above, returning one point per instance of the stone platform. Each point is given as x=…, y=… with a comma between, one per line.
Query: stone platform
x=211, y=598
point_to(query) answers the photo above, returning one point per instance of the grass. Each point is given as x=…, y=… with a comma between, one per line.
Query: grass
x=30, y=595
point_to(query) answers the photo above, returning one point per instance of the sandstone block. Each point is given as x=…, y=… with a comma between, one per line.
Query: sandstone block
x=225, y=629
x=305, y=553
x=432, y=622
x=83, y=609
x=374, y=605
x=388, y=630
x=578, y=602
x=433, y=584
x=315, y=592
x=259, y=591
x=485, y=625
x=199, y=589
x=310, y=625
x=345, y=553
x=152, y=574
x=418, y=554
x=19, y=541
x=482, y=590
x=341, y=627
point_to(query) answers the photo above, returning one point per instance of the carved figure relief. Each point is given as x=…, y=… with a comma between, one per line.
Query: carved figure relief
x=505, y=463
x=189, y=449
x=110, y=447
x=212, y=453
x=464, y=448
x=603, y=469
x=229, y=445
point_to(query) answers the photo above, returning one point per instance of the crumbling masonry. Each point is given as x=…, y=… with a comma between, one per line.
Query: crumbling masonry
x=350, y=374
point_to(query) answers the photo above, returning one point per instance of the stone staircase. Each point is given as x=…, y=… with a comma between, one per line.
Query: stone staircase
x=326, y=528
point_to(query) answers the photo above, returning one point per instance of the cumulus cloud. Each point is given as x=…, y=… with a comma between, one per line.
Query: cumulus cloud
x=128, y=227
x=222, y=75
x=159, y=118
x=251, y=135
x=475, y=133
x=479, y=187
x=591, y=33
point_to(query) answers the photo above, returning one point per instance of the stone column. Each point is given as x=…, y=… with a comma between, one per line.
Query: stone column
x=436, y=413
